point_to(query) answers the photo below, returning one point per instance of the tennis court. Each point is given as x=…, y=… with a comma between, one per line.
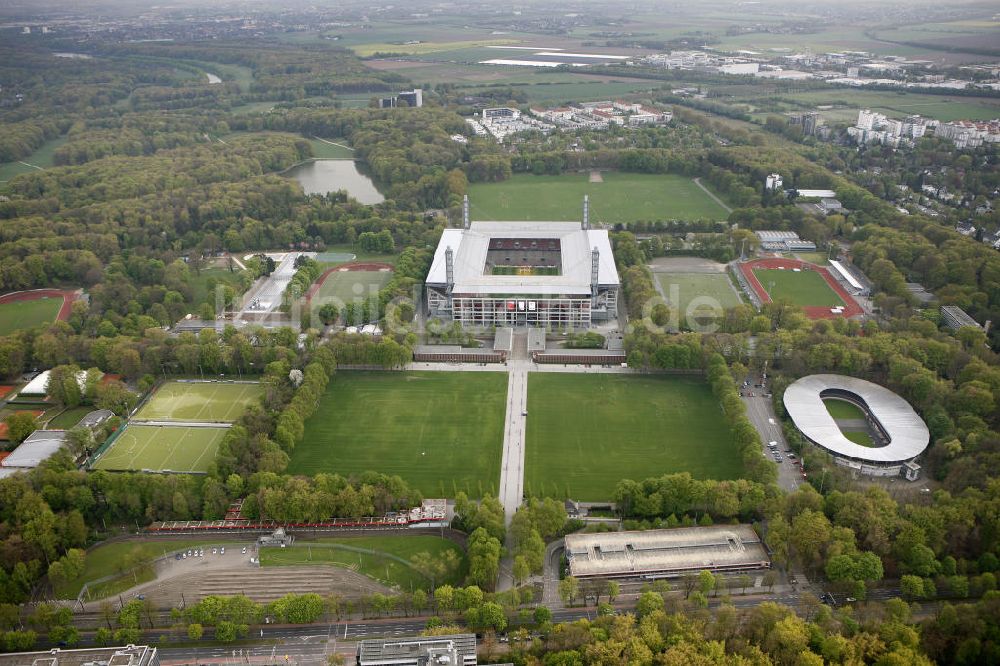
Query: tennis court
x=201, y=402
x=162, y=448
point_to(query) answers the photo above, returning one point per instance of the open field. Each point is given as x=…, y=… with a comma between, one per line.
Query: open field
x=20, y=315
x=585, y=433
x=708, y=288
x=805, y=288
x=441, y=431
x=841, y=409
x=174, y=448
x=343, y=287
x=203, y=283
x=377, y=565
x=622, y=197
x=365, y=50
x=331, y=149
x=68, y=418
x=818, y=258
x=199, y=401
x=107, y=560
x=41, y=158
x=899, y=104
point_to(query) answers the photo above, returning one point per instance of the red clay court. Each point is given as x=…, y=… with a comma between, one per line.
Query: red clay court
x=3, y=426
x=851, y=308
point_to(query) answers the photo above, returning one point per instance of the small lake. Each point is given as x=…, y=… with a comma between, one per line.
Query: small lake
x=212, y=78
x=326, y=176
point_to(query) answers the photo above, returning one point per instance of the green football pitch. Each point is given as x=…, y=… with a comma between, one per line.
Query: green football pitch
x=351, y=286
x=174, y=448
x=681, y=289
x=622, y=197
x=799, y=287
x=440, y=431
x=585, y=433
x=207, y=402
x=20, y=315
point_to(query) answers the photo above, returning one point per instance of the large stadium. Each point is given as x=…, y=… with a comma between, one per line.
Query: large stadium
x=899, y=435
x=545, y=274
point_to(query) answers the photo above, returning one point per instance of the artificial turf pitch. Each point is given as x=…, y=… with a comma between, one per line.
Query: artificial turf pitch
x=208, y=402
x=803, y=288
x=174, y=448
x=19, y=315
x=442, y=432
x=585, y=433
x=621, y=197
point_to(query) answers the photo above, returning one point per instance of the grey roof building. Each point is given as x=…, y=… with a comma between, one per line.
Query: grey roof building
x=453, y=650
x=956, y=318
x=38, y=447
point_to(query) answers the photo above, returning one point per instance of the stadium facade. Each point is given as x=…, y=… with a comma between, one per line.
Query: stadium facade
x=555, y=275
x=899, y=434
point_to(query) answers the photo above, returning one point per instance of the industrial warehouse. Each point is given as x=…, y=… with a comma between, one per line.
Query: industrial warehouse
x=899, y=434
x=558, y=275
x=666, y=553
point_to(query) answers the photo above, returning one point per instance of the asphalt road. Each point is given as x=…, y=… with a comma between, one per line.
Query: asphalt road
x=761, y=414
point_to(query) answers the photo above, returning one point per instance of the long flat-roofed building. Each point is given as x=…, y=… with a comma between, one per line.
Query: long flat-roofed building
x=547, y=274
x=665, y=553
x=453, y=650
x=129, y=655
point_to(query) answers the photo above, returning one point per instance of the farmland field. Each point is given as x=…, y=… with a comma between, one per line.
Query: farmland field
x=19, y=315
x=199, y=401
x=622, y=197
x=802, y=288
x=440, y=431
x=174, y=448
x=587, y=432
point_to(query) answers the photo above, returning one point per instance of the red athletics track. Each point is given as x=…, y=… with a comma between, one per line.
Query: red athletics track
x=851, y=308
x=68, y=297
x=356, y=266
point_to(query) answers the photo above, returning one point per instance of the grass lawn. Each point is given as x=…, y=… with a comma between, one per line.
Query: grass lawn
x=107, y=560
x=818, y=258
x=801, y=288
x=709, y=288
x=351, y=286
x=365, y=50
x=585, y=433
x=622, y=197
x=860, y=437
x=20, y=315
x=203, y=283
x=41, y=158
x=175, y=448
x=199, y=401
x=841, y=409
x=69, y=418
x=377, y=565
x=441, y=431
x=328, y=149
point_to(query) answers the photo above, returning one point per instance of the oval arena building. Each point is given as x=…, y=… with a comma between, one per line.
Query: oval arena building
x=898, y=432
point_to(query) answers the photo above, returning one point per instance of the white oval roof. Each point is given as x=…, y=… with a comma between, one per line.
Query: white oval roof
x=908, y=434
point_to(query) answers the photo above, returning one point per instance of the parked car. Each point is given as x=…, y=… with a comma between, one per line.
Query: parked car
x=244, y=550
x=222, y=551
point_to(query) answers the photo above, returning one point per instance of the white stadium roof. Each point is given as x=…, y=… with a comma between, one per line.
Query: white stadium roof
x=471, y=245
x=908, y=434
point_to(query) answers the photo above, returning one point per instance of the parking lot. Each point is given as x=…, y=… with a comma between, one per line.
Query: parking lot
x=761, y=414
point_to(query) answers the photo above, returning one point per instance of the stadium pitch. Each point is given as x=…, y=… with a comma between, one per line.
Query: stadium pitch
x=585, y=433
x=804, y=288
x=206, y=402
x=159, y=448
x=440, y=431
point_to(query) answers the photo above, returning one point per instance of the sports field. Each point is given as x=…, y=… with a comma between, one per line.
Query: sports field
x=841, y=409
x=621, y=197
x=207, y=402
x=19, y=315
x=708, y=288
x=174, y=448
x=352, y=286
x=799, y=287
x=585, y=433
x=441, y=431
